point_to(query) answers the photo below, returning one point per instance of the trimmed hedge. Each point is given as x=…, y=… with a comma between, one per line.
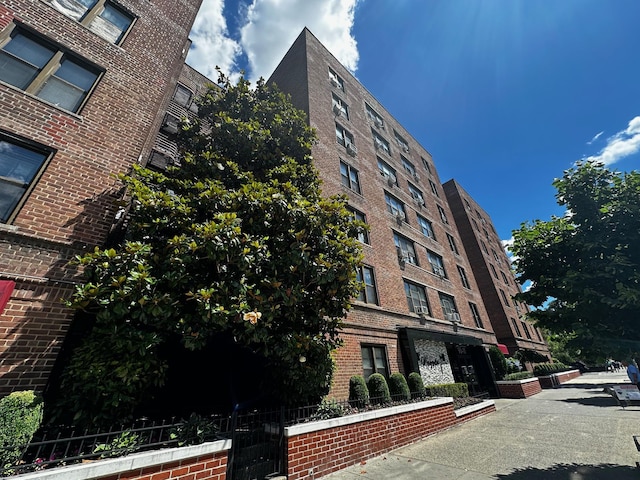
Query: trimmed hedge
x=20, y=417
x=378, y=389
x=543, y=369
x=518, y=376
x=358, y=392
x=455, y=390
x=398, y=387
x=416, y=385
x=498, y=361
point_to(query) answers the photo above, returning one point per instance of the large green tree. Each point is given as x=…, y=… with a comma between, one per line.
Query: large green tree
x=585, y=266
x=237, y=241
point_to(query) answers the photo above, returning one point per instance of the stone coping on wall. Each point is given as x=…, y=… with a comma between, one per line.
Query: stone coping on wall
x=516, y=382
x=103, y=468
x=461, y=412
x=364, y=416
x=558, y=374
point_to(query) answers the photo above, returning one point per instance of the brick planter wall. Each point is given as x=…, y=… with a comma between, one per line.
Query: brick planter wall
x=519, y=388
x=320, y=448
x=555, y=379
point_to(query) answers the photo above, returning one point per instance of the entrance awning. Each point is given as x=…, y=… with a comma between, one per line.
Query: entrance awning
x=415, y=333
x=503, y=348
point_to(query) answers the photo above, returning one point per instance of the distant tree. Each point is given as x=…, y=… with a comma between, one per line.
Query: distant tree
x=236, y=241
x=585, y=266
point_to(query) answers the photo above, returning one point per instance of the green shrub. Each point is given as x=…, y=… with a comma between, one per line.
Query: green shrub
x=329, y=408
x=378, y=389
x=20, y=417
x=358, y=392
x=123, y=444
x=416, y=385
x=195, y=430
x=455, y=390
x=513, y=365
x=398, y=387
x=543, y=369
x=518, y=376
x=498, y=361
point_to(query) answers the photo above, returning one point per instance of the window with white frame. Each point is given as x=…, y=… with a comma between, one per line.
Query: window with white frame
x=32, y=64
x=388, y=172
x=408, y=166
x=358, y=215
x=452, y=244
x=395, y=207
x=380, y=143
x=335, y=80
x=406, y=249
x=475, y=224
x=466, y=204
x=339, y=106
x=374, y=360
x=463, y=277
x=368, y=294
x=416, y=298
x=443, y=215
x=437, y=265
x=374, y=116
x=349, y=177
x=484, y=247
x=426, y=165
x=344, y=138
x=103, y=17
x=21, y=164
x=449, y=308
x=402, y=143
x=416, y=194
x=426, y=227
x=434, y=188
x=476, y=315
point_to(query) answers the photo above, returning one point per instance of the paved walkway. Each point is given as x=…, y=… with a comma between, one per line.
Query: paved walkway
x=574, y=432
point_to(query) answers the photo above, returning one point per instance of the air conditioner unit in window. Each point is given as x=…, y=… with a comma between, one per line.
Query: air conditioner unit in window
x=378, y=123
x=351, y=149
x=405, y=148
x=334, y=81
x=452, y=317
x=416, y=177
x=391, y=181
x=400, y=217
x=337, y=110
x=170, y=124
x=420, y=310
x=418, y=201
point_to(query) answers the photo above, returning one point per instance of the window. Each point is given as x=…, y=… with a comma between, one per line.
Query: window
x=374, y=360
x=537, y=330
x=466, y=204
x=182, y=95
x=388, y=172
x=504, y=278
x=416, y=298
x=434, y=188
x=426, y=165
x=381, y=144
x=102, y=17
x=437, y=266
x=443, y=215
x=340, y=108
x=476, y=315
x=486, y=234
x=417, y=196
x=395, y=207
x=449, y=308
x=344, y=138
x=335, y=80
x=463, y=277
x=526, y=330
x=475, y=224
x=39, y=68
x=516, y=329
x=374, y=116
x=493, y=270
x=20, y=166
x=484, y=247
x=504, y=297
x=369, y=293
x=402, y=143
x=406, y=250
x=426, y=227
x=349, y=177
x=408, y=166
x=357, y=215
x=495, y=256
x=452, y=244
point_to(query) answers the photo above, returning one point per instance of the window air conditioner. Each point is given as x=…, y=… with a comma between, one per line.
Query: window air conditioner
x=351, y=149
x=452, y=317
x=405, y=148
x=418, y=202
x=420, y=310
x=391, y=181
x=416, y=177
x=333, y=81
x=378, y=123
x=337, y=110
x=400, y=218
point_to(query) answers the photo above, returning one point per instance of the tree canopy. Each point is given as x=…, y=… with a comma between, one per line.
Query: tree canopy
x=585, y=266
x=236, y=241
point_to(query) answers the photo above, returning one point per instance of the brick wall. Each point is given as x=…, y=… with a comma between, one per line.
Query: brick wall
x=550, y=381
x=519, y=388
x=199, y=468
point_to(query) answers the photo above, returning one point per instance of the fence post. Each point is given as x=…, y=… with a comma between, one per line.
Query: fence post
x=230, y=460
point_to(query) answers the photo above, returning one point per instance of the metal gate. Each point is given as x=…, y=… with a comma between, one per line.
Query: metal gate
x=257, y=445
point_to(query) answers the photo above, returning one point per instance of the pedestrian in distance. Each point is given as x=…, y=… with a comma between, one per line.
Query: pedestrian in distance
x=632, y=372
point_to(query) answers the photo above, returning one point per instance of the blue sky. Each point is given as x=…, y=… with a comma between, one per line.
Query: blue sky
x=505, y=94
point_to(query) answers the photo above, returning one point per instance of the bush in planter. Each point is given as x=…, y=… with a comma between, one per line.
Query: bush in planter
x=416, y=385
x=20, y=417
x=398, y=387
x=378, y=389
x=329, y=408
x=358, y=392
x=455, y=390
x=543, y=369
x=498, y=361
x=518, y=376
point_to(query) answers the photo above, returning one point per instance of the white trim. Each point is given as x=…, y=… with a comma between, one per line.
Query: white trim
x=526, y=380
x=461, y=412
x=363, y=417
x=103, y=468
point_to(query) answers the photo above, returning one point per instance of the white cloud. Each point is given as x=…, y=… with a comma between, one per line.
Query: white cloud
x=212, y=45
x=620, y=145
x=273, y=25
x=595, y=137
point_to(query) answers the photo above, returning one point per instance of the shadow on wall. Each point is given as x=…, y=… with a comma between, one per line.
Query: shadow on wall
x=574, y=472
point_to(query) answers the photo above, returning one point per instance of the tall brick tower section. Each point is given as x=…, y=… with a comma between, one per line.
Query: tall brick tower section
x=83, y=91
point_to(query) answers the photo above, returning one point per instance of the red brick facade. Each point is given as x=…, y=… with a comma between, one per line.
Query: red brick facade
x=209, y=467
x=519, y=388
x=551, y=381
x=70, y=206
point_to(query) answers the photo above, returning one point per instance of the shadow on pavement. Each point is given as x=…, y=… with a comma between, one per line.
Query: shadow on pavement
x=594, y=402
x=574, y=472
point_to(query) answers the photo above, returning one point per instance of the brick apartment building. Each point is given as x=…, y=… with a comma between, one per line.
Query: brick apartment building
x=422, y=308
x=494, y=277
x=83, y=90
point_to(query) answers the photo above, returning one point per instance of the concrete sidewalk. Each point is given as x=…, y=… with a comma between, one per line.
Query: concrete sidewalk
x=574, y=432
